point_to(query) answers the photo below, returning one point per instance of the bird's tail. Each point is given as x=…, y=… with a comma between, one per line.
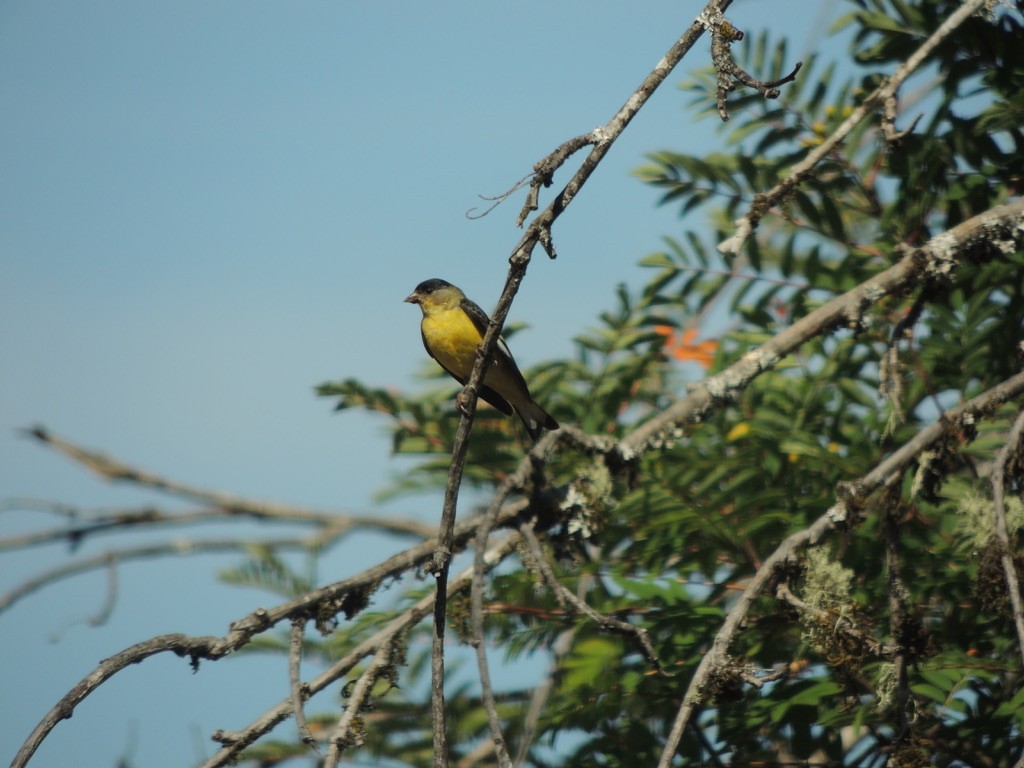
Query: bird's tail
x=535, y=418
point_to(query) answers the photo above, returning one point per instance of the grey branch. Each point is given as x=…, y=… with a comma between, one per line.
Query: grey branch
x=229, y=505
x=723, y=35
x=235, y=741
x=295, y=683
x=329, y=599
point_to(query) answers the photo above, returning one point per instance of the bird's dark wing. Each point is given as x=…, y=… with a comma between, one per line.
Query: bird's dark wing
x=477, y=315
x=486, y=393
x=501, y=350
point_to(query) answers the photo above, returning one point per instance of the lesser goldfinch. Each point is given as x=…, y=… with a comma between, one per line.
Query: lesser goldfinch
x=453, y=328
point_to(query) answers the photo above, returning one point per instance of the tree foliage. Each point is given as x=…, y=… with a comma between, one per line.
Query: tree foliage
x=667, y=542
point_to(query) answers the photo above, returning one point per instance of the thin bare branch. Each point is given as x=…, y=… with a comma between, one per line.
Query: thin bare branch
x=114, y=469
x=1009, y=454
x=566, y=595
x=541, y=693
x=178, y=547
x=298, y=691
x=544, y=171
x=497, y=200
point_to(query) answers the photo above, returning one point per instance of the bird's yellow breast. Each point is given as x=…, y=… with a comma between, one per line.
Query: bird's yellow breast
x=452, y=339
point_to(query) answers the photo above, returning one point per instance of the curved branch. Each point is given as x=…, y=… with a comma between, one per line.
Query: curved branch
x=181, y=645
x=235, y=741
x=340, y=597
x=566, y=596
x=298, y=691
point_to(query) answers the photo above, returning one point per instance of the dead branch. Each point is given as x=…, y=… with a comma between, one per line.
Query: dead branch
x=110, y=468
x=298, y=691
x=113, y=558
x=723, y=35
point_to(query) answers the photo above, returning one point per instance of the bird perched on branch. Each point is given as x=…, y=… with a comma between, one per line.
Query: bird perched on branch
x=453, y=328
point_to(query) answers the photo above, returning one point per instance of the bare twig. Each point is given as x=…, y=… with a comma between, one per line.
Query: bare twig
x=723, y=35
x=840, y=624
x=178, y=547
x=1008, y=454
x=114, y=469
x=295, y=683
x=343, y=737
x=898, y=615
x=566, y=595
x=746, y=225
x=86, y=525
x=849, y=496
x=497, y=200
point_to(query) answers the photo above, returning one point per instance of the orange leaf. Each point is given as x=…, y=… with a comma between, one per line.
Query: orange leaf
x=702, y=353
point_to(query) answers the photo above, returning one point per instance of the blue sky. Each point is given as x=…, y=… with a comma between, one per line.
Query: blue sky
x=208, y=208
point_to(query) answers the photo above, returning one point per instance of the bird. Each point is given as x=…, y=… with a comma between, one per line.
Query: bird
x=453, y=328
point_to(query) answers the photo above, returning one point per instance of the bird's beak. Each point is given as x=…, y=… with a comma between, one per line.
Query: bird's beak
x=413, y=298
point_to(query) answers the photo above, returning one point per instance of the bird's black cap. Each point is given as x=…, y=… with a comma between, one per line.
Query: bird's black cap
x=426, y=288
x=431, y=285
